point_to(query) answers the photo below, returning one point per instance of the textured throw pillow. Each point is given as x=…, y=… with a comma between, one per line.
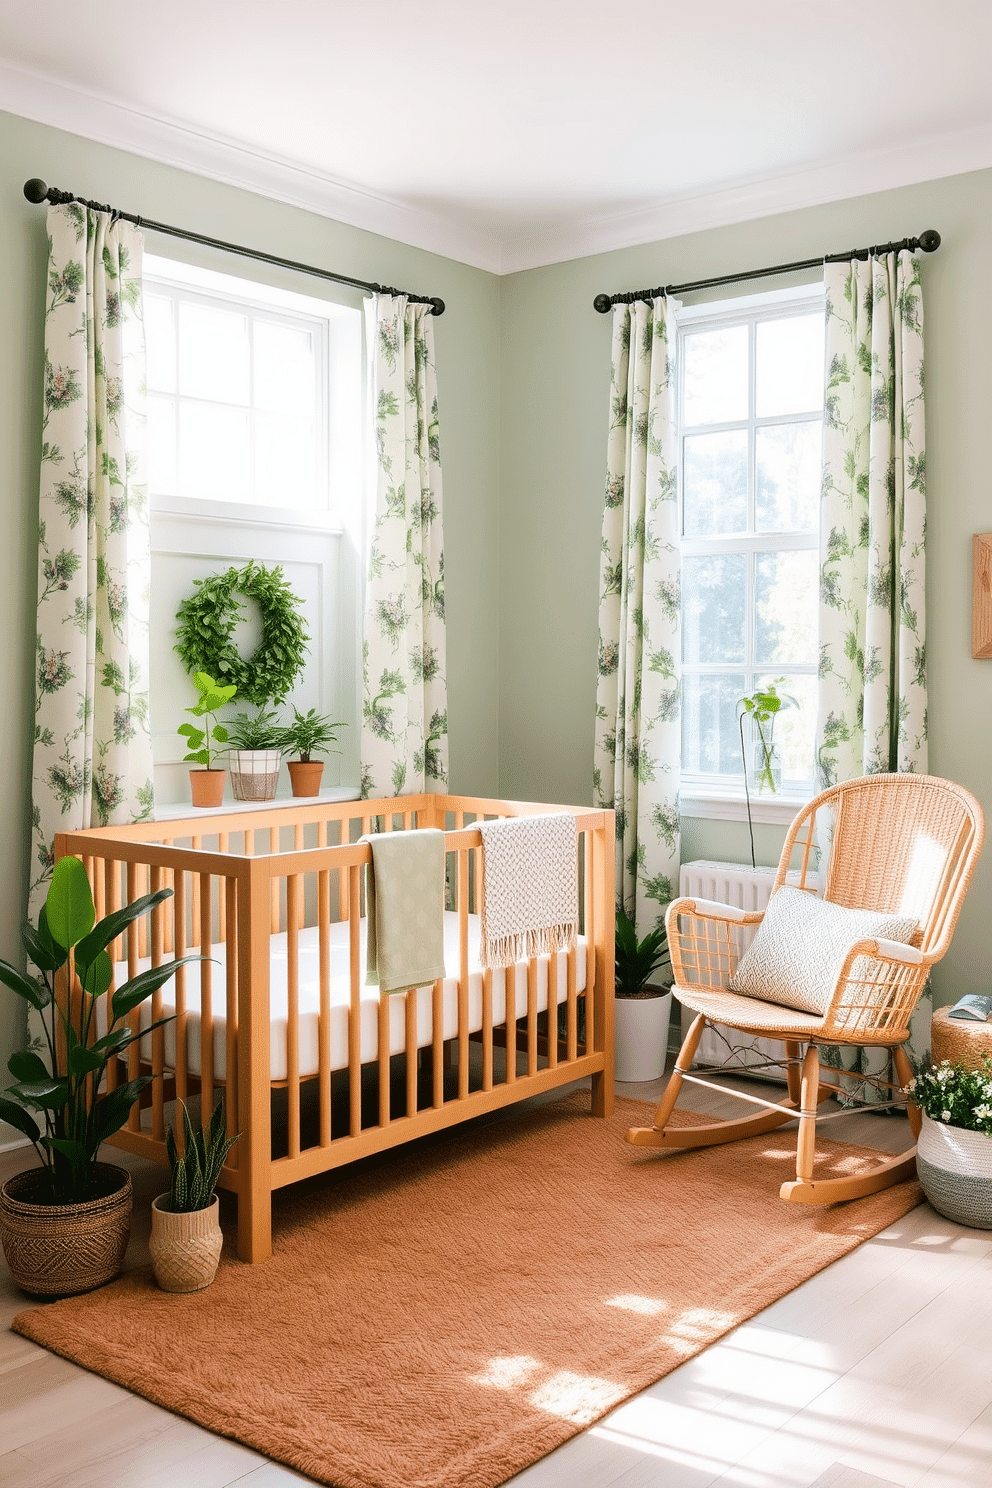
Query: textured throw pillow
x=799, y=949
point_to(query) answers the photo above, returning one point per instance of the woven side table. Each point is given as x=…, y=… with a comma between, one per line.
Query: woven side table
x=959, y=1039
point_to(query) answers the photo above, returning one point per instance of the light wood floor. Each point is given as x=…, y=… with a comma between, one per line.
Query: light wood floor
x=877, y=1371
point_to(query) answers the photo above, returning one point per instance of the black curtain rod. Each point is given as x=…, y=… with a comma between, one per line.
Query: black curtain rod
x=37, y=191
x=928, y=241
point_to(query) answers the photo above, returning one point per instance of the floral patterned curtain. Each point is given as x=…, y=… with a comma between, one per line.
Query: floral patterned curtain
x=638, y=728
x=872, y=686
x=405, y=709
x=92, y=753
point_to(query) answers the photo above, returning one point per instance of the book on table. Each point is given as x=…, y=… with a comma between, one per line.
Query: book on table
x=974, y=1007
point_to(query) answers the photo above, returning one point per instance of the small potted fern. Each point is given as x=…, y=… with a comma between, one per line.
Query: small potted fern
x=309, y=733
x=186, y=1239
x=643, y=1006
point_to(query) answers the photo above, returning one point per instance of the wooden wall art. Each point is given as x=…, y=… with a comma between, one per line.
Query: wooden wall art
x=981, y=595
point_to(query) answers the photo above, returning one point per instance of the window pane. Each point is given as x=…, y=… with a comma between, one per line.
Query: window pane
x=787, y=477
x=785, y=604
x=285, y=374
x=213, y=354
x=710, y=742
x=160, y=344
x=795, y=726
x=285, y=461
x=162, y=445
x=714, y=372
x=714, y=483
x=214, y=459
x=789, y=371
x=713, y=601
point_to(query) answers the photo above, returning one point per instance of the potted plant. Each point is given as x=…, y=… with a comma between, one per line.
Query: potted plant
x=762, y=766
x=642, y=1009
x=206, y=785
x=65, y=1224
x=255, y=743
x=186, y=1239
x=309, y=733
x=954, y=1148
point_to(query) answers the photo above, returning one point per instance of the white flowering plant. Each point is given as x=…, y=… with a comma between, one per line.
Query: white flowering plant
x=954, y=1095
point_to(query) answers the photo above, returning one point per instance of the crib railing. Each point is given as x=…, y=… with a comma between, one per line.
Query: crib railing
x=239, y=880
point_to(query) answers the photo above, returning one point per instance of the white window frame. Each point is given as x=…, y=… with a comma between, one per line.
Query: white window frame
x=713, y=796
x=219, y=533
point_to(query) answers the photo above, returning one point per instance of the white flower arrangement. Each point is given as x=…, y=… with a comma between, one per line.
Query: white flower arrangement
x=957, y=1096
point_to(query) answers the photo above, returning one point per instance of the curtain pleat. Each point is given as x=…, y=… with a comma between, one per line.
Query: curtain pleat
x=92, y=752
x=404, y=744
x=638, y=727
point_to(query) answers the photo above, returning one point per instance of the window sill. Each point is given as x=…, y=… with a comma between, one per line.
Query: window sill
x=723, y=806
x=180, y=810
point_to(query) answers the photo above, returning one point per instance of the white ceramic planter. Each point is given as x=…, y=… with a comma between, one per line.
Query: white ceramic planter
x=955, y=1169
x=641, y=1036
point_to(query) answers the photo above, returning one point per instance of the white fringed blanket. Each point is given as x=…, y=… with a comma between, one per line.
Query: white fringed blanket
x=530, y=900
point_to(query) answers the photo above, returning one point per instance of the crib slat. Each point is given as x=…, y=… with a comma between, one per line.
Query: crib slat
x=462, y=972
x=206, y=1002
x=111, y=868
x=158, y=1037
x=324, y=1026
x=573, y=1015
x=275, y=882
x=553, y=1010
x=293, y=897
x=182, y=1057
x=487, y=1028
x=532, y=1015
x=197, y=843
x=510, y=1009
x=354, y=1019
x=230, y=902
x=134, y=1017
x=382, y=1014
x=223, y=845
x=437, y=1044
x=411, y=1050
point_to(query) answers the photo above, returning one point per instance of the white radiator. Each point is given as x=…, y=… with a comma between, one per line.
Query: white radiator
x=748, y=889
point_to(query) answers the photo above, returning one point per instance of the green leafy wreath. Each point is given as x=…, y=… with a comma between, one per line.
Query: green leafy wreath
x=206, y=622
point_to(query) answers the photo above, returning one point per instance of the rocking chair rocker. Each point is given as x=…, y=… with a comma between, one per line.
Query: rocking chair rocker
x=901, y=845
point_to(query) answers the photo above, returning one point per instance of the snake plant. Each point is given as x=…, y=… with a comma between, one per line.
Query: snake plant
x=195, y=1173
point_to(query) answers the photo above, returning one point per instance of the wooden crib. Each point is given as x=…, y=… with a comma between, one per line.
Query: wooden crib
x=263, y=893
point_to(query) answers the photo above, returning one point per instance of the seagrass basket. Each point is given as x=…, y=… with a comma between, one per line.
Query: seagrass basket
x=59, y=1250
x=254, y=773
x=185, y=1247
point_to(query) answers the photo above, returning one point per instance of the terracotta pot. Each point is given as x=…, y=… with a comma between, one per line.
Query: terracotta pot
x=185, y=1248
x=254, y=773
x=305, y=775
x=59, y=1250
x=206, y=787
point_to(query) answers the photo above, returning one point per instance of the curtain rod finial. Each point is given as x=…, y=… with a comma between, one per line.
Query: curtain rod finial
x=602, y=303
x=930, y=240
x=36, y=190
x=437, y=305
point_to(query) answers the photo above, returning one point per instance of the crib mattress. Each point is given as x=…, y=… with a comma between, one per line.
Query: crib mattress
x=372, y=1004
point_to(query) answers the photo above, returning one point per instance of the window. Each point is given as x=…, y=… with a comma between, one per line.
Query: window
x=255, y=450
x=750, y=406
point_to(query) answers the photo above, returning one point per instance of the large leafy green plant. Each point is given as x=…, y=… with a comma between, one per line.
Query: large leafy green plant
x=199, y=740
x=636, y=960
x=196, y=1170
x=63, y=1105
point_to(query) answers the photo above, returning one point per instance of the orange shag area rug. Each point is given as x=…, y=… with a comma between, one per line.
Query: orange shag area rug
x=451, y=1314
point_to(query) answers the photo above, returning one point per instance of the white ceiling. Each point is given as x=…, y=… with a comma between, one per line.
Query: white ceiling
x=523, y=133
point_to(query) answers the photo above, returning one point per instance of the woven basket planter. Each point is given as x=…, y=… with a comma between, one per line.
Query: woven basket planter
x=254, y=773
x=59, y=1250
x=185, y=1248
x=955, y=1170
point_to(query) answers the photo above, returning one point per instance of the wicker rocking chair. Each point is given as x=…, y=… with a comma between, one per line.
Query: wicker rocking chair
x=901, y=844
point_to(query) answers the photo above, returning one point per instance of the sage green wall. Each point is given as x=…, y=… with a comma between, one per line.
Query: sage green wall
x=555, y=385
x=467, y=359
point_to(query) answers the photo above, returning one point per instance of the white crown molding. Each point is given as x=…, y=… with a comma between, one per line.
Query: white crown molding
x=78, y=111
x=81, y=112
x=856, y=175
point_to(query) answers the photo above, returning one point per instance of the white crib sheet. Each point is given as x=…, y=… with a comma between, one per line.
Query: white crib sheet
x=309, y=1001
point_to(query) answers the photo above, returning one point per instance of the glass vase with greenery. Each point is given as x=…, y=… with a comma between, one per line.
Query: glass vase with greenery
x=762, y=707
x=62, y=1103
